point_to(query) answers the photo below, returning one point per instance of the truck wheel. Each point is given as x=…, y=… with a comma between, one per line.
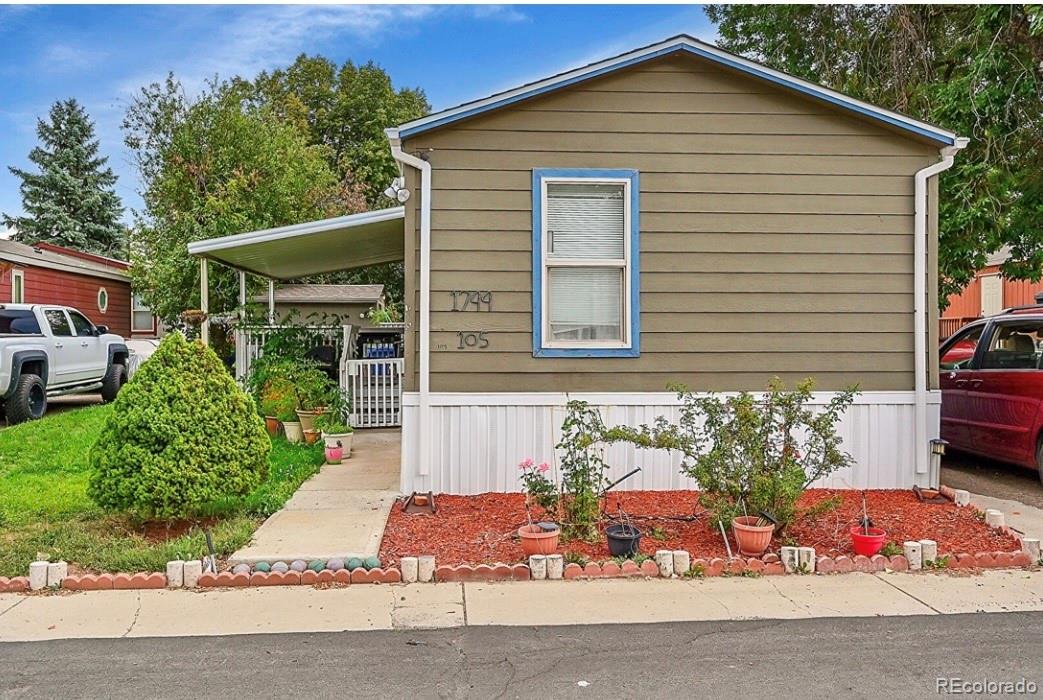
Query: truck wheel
x=114, y=380
x=29, y=400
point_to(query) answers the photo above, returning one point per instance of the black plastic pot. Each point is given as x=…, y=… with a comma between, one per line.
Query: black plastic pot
x=623, y=541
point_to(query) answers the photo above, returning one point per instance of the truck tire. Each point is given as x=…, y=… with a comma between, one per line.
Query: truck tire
x=114, y=380
x=29, y=400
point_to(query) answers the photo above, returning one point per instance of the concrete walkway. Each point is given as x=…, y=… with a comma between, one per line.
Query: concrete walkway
x=339, y=512
x=163, y=613
x=1026, y=519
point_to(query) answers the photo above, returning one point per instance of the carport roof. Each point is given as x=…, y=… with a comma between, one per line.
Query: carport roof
x=314, y=247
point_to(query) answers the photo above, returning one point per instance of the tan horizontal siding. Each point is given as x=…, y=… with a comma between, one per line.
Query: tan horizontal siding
x=671, y=363
x=729, y=222
x=762, y=282
x=651, y=262
x=695, y=242
x=740, y=379
x=695, y=182
x=640, y=122
x=776, y=234
x=754, y=321
x=750, y=164
x=653, y=142
x=711, y=340
x=695, y=203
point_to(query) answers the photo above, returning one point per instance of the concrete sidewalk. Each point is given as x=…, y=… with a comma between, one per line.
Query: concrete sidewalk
x=339, y=512
x=162, y=613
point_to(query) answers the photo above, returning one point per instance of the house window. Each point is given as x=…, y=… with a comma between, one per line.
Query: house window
x=103, y=300
x=17, y=287
x=585, y=263
x=141, y=316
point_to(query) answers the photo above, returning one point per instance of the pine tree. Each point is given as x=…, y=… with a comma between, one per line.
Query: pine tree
x=71, y=201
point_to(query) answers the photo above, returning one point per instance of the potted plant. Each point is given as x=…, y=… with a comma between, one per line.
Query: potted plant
x=623, y=537
x=866, y=539
x=538, y=537
x=310, y=436
x=277, y=398
x=752, y=534
x=290, y=427
x=336, y=434
x=315, y=393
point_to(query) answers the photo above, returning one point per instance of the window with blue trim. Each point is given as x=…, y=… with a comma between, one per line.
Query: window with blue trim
x=585, y=263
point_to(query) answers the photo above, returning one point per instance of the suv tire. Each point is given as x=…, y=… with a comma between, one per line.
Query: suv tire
x=114, y=380
x=29, y=400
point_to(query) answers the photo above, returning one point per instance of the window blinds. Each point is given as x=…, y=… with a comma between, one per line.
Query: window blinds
x=586, y=221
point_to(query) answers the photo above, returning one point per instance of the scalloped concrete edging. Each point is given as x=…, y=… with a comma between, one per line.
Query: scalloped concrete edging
x=665, y=564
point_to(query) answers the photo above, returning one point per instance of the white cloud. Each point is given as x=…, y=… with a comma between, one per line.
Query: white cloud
x=503, y=13
x=65, y=58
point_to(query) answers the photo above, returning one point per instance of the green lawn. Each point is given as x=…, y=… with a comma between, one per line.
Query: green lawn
x=45, y=511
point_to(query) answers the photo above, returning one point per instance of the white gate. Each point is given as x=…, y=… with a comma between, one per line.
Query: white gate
x=375, y=390
x=250, y=341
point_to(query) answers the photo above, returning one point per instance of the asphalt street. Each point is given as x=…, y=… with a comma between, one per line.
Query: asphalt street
x=991, y=478
x=817, y=658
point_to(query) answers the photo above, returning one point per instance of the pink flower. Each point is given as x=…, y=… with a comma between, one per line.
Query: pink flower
x=543, y=467
x=526, y=463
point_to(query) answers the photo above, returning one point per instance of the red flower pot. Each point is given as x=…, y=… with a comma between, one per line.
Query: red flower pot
x=536, y=540
x=867, y=544
x=752, y=538
x=271, y=424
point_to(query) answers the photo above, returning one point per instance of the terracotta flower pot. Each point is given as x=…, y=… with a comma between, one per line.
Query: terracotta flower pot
x=753, y=539
x=536, y=540
x=311, y=436
x=867, y=543
x=271, y=424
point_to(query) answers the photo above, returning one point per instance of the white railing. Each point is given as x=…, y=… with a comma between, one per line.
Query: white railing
x=250, y=341
x=375, y=391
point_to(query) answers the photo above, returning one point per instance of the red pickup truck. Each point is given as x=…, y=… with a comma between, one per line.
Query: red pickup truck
x=992, y=387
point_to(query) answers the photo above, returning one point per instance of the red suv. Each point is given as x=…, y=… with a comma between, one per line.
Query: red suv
x=992, y=387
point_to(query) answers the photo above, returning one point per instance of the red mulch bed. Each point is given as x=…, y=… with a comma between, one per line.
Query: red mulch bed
x=480, y=529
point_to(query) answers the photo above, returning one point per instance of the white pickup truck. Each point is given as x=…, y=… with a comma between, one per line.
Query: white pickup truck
x=52, y=350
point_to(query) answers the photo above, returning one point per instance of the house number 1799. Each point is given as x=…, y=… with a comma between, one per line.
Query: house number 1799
x=472, y=339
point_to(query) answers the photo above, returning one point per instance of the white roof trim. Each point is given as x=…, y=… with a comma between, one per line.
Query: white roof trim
x=679, y=43
x=29, y=261
x=294, y=230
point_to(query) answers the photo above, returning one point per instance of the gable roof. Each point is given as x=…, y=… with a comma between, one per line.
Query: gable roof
x=32, y=256
x=678, y=44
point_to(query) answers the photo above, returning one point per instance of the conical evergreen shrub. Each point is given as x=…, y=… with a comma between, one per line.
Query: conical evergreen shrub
x=182, y=434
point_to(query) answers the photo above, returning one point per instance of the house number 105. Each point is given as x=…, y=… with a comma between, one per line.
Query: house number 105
x=472, y=339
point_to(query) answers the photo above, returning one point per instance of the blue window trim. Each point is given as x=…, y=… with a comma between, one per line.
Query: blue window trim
x=538, y=176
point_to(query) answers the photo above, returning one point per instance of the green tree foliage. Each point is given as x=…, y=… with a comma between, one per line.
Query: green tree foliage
x=346, y=109
x=216, y=166
x=181, y=435
x=975, y=69
x=71, y=201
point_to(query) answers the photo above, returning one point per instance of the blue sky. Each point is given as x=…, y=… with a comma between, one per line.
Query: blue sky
x=103, y=54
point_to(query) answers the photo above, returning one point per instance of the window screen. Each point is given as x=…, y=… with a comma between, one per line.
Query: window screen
x=585, y=261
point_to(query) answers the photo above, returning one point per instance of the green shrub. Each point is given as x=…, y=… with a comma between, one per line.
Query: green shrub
x=182, y=434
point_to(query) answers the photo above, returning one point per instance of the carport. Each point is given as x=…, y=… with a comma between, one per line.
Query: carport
x=290, y=252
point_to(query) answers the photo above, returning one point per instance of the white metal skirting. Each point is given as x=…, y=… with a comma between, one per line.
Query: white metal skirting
x=477, y=440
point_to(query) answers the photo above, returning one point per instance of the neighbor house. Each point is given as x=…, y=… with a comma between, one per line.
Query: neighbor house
x=343, y=303
x=675, y=214
x=96, y=285
x=987, y=294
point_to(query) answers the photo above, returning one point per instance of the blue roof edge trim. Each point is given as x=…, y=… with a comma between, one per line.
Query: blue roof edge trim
x=823, y=94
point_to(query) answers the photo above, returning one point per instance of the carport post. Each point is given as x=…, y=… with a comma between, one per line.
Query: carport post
x=271, y=301
x=204, y=300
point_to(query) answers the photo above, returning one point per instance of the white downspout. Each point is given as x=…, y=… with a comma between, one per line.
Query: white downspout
x=923, y=456
x=424, y=417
